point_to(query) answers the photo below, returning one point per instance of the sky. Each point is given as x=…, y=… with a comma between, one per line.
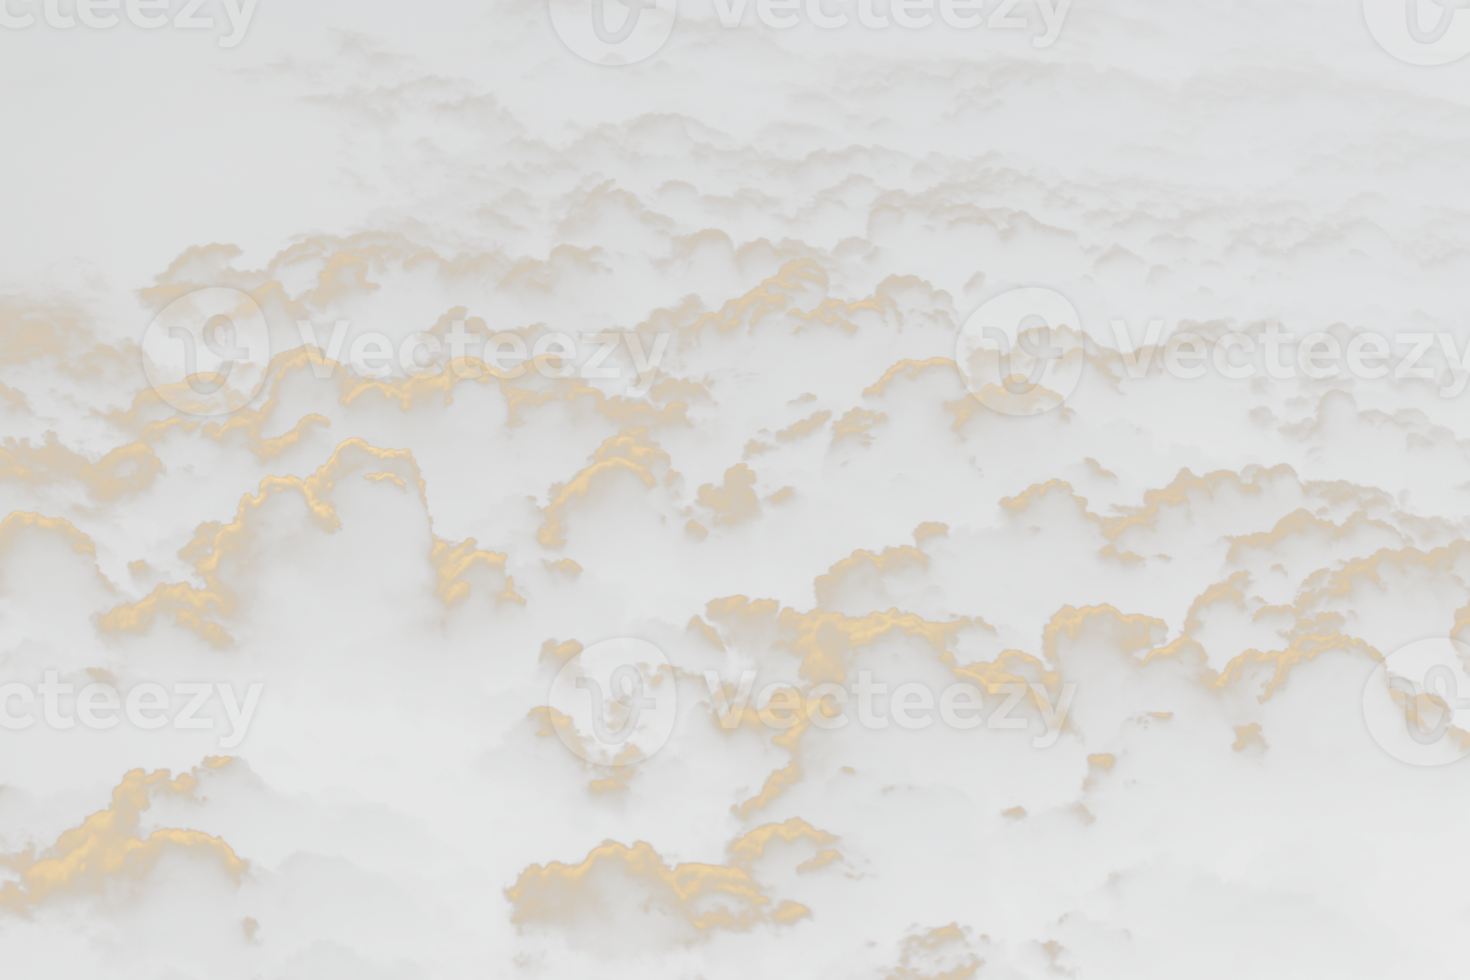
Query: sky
x=335, y=643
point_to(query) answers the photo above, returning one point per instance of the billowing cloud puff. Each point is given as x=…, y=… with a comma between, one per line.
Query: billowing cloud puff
x=628, y=902
x=156, y=879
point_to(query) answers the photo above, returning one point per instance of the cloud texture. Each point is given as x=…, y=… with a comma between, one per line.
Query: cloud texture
x=807, y=490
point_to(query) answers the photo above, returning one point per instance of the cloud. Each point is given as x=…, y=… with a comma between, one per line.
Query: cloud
x=804, y=488
x=166, y=895
x=156, y=879
x=625, y=901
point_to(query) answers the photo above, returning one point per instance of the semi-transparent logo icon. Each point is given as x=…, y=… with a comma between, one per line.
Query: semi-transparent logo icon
x=1021, y=353
x=1417, y=703
x=614, y=704
x=207, y=352
x=1421, y=32
x=614, y=32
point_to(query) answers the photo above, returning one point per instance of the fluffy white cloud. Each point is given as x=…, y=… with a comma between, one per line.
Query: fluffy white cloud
x=625, y=901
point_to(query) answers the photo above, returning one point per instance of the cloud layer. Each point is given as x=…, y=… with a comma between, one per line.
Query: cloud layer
x=777, y=468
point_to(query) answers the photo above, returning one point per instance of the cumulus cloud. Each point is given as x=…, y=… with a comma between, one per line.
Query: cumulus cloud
x=628, y=902
x=163, y=877
x=165, y=895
